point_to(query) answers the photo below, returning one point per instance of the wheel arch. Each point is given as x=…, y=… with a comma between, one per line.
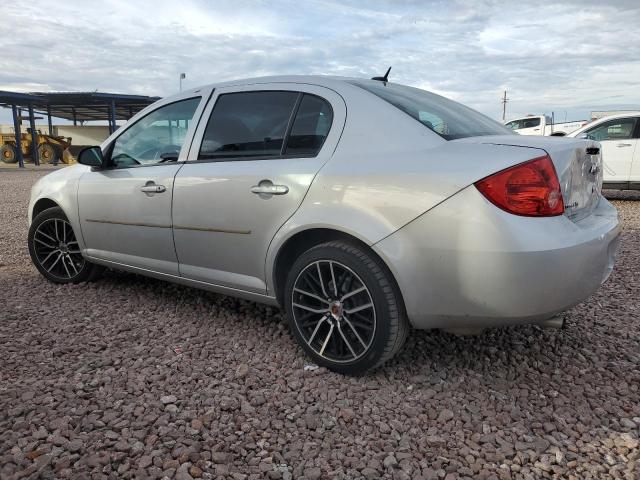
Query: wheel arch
x=303, y=240
x=41, y=205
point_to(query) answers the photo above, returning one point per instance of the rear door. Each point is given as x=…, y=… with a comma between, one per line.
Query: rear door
x=125, y=209
x=255, y=154
x=618, y=144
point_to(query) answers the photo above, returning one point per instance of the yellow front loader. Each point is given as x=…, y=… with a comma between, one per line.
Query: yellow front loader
x=50, y=149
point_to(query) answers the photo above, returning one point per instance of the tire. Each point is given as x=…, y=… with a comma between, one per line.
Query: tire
x=48, y=153
x=54, y=249
x=326, y=295
x=8, y=153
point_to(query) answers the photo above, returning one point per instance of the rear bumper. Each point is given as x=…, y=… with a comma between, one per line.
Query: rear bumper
x=468, y=264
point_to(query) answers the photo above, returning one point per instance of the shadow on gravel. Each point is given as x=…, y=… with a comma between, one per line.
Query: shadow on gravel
x=497, y=352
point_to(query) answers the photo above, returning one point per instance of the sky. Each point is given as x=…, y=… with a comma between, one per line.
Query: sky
x=567, y=57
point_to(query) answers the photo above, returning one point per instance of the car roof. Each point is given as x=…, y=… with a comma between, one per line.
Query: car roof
x=329, y=81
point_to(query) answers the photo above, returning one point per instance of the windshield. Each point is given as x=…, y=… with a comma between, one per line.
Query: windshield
x=449, y=119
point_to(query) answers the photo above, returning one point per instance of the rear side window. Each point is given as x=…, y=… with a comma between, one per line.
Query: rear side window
x=449, y=119
x=248, y=124
x=310, y=127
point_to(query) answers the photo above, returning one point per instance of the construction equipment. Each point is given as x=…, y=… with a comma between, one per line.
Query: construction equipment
x=51, y=149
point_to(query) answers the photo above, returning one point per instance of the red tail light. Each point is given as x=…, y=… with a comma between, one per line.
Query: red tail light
x=530, y=189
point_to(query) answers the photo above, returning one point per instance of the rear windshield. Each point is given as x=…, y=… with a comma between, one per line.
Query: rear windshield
x=445, y=117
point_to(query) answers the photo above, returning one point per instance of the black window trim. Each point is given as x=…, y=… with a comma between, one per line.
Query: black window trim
x=637, y=132
x=285, y=140
x=109, y=149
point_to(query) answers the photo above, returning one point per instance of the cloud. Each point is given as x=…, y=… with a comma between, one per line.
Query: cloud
x=568, y=57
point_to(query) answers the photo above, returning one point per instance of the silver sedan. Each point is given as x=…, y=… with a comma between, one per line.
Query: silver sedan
x=362, y=207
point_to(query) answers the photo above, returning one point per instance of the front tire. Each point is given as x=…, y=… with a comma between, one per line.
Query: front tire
x=344, y=308
x=48, y=153
x=55, y=251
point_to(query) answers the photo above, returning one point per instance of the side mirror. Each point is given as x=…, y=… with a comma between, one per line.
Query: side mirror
x=584, y=136
x=91, y=156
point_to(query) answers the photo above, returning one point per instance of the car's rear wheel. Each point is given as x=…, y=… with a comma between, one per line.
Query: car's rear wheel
x=344, y=308
x=55, y=251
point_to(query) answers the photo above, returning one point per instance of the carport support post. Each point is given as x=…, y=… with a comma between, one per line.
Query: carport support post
x=16, y=128
x=112, y=116
x=49, y=120
x=34, y=137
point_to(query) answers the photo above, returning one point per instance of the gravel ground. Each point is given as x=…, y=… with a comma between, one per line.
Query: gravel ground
x=134, y=378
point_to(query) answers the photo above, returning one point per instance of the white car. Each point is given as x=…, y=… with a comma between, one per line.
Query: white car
x=362, y=207
x=618, y=136
x=542, y=125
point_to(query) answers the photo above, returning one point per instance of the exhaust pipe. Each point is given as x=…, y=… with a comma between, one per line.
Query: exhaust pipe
x=553, y=322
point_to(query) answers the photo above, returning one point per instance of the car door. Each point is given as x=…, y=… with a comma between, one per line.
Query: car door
x=125, y=208
x=250, y=166
x=618, y=144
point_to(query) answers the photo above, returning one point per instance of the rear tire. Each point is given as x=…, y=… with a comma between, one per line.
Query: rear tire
x=344, y=308
x=55, y=251
x=8, y=153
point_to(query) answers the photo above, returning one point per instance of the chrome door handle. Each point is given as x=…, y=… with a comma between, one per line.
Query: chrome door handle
x=153, y=188
x=266, y=187
x=623, y=145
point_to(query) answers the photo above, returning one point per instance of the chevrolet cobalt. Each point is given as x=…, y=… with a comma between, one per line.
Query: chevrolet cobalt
x=361, y=207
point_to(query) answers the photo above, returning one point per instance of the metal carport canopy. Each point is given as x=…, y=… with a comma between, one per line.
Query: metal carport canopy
x=79, y=106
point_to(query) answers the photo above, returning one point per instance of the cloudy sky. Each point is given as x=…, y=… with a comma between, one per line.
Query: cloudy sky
x=569, y=57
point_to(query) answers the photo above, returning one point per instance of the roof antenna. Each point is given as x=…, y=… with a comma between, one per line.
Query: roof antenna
x=383, y=79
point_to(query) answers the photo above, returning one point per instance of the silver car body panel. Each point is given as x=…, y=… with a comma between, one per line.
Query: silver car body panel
x=381, y=177
x=495, y=268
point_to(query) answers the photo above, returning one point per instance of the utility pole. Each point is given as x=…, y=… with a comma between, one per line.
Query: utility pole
x=504, y=106
x=182, y=77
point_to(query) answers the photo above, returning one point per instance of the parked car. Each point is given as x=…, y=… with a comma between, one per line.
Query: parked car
x=361, y=207
x=543, y=125
x=618, y=136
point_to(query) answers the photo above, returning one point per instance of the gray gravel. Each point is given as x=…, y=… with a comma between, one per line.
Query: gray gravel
x=134, y=378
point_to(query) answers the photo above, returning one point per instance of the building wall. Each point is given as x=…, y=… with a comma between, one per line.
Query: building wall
x=83, y=135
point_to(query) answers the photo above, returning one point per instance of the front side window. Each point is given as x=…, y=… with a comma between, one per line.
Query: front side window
x=248, y=124
x=530, y=122
x=155, y=138
x=449, y=119
x=620, y=129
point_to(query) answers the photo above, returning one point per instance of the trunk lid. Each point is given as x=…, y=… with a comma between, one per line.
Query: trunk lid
x=578, y=164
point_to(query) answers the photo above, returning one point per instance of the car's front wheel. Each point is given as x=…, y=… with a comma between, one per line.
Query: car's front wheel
x=54, y=249
x=344, y=309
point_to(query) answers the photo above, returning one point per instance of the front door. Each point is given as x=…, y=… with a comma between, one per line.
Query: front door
x=250, y=167
x=125, y=208
x=618, y=144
